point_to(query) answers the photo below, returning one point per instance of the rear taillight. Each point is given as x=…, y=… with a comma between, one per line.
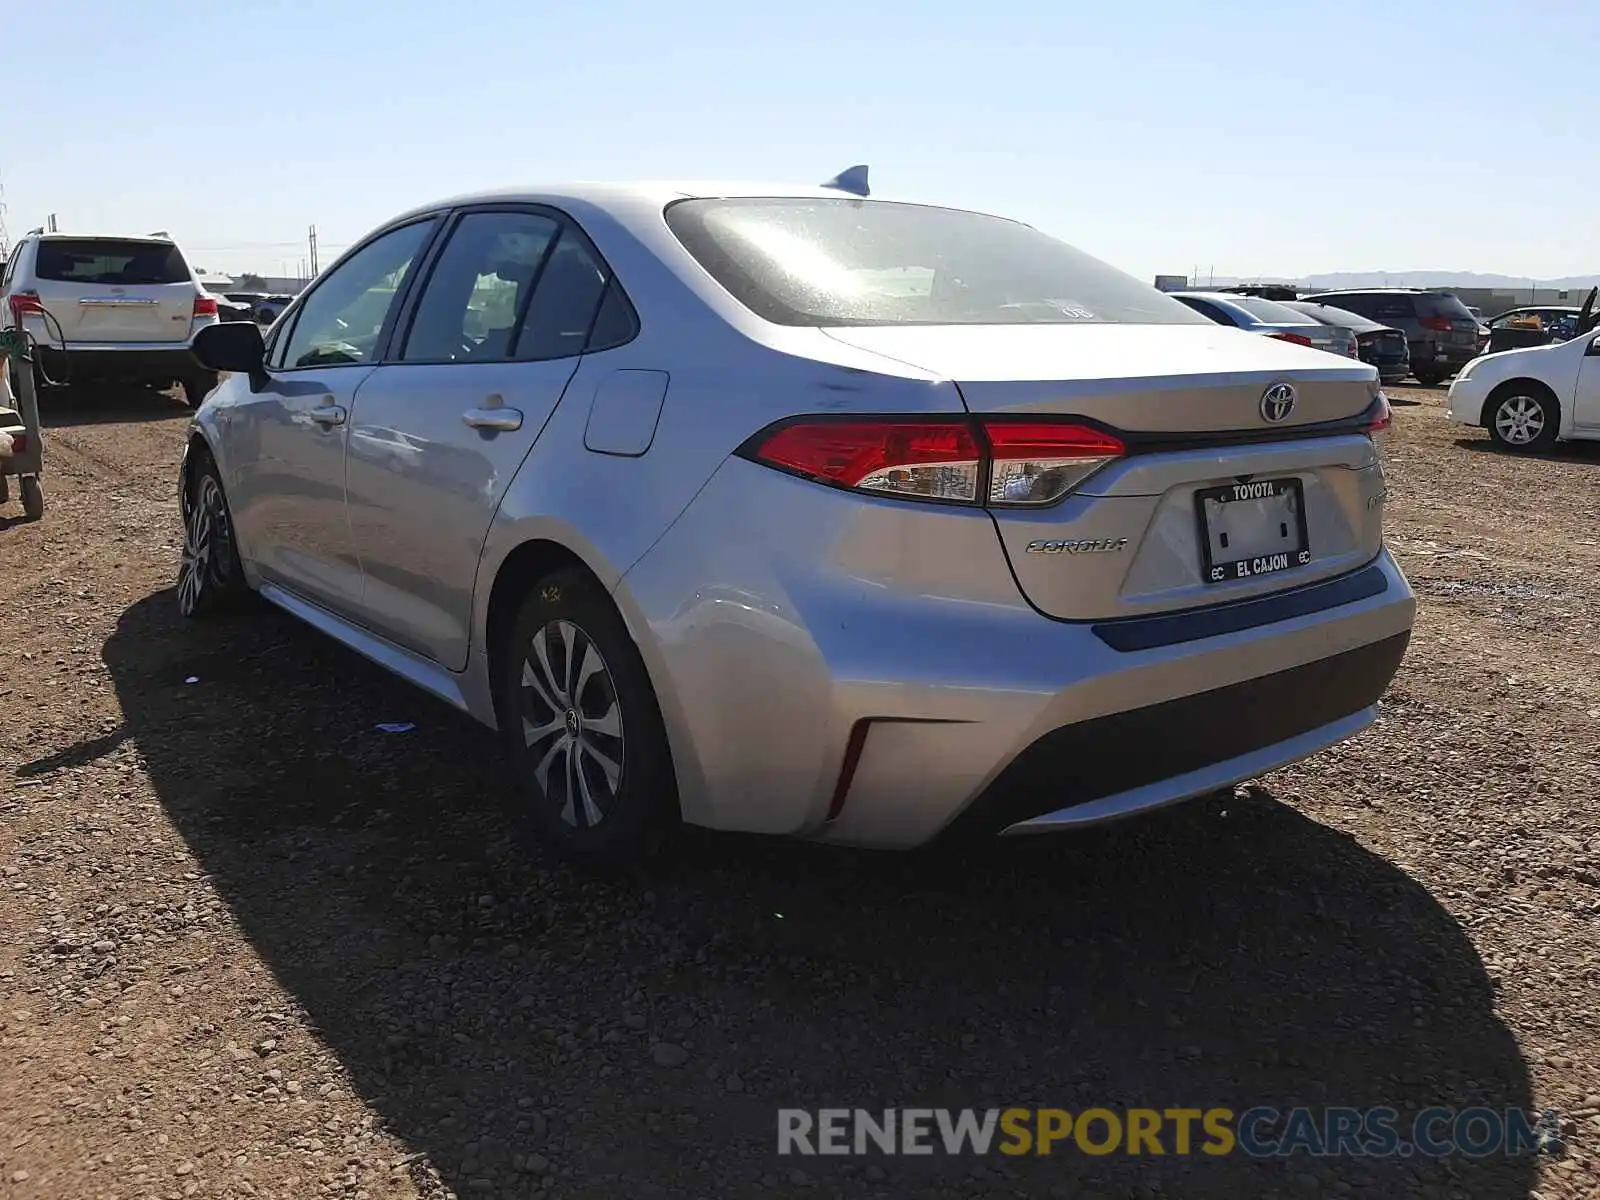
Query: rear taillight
x=1038, y=462
x=205, y=306
x=26, y=304
x=1298, y=339
x=1382, y=418
x=1437, y=324
x=928, y=460
x=961, y=461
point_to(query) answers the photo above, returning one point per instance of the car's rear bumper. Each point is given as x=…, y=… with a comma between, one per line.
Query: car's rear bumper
x=142, y=362
x=1442, y=356
x=1148, y=757
x=835, y=680
x=1144, y=728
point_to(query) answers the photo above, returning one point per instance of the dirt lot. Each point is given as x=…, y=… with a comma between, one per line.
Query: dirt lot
x=251, y=946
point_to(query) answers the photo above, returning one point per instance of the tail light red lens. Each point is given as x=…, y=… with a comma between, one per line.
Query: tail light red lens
x=19, y=443
x=205, y=306
x=1437, y=324
x=25, y=304
x=1297, y=338
x=1383, y=418
x=932, y=461
x=961, y=460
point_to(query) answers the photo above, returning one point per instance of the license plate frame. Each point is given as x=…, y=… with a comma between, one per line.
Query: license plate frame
x=1215, y=570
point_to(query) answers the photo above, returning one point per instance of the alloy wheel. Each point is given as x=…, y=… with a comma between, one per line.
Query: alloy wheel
x=198, y=538
x=1519, y=420
x=572, y=723
x=207, y=546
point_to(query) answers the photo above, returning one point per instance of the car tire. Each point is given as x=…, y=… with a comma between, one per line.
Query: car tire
x=1429, y=376
x=210, y=577
x=1522, y=417
x=197, y=387
x=32, y=497
x=582, y=727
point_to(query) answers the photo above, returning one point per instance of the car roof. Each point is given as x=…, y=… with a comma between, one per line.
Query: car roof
x=642, y=194
x=58, y=236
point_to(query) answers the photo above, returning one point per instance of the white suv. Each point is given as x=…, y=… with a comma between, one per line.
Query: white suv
x=108, y=310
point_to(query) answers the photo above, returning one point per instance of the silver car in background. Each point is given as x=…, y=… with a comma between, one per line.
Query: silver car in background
x=1271, y=318
x=798, y=511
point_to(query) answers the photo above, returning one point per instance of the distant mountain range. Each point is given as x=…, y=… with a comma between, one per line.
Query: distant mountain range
x=1423, y=279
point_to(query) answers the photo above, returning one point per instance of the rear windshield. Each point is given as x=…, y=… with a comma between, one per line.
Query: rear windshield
x=1380, y=306
x=101, y=260
x=1269, y=311
x=1340, y=317
x=823, y=262
x=1431, y=304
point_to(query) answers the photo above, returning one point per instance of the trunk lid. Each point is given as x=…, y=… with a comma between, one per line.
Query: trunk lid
x=115, y=289
x=1166, y=527
x=1322, y=337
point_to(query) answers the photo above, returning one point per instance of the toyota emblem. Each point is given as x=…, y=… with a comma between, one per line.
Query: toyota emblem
x=1277, y=402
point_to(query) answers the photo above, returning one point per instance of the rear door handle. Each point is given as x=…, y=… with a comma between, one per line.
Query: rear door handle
x=328, y=415
x=505, y=419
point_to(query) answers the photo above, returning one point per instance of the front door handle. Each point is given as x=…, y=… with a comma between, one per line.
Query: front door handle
x=328, y=415
x=505, y=419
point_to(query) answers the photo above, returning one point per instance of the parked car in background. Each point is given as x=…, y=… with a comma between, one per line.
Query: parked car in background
x=108, y=310
x=270, y=308
x=1559, y=321
x=1004, y=540
x=1270, y=317
x=229, y=309
x=1382, y=346
x=1441, y=333
x=251, y=299
x=1529, y=399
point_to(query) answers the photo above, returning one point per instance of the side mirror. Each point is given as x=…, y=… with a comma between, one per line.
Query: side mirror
x=1594, y=348
x=233, y=346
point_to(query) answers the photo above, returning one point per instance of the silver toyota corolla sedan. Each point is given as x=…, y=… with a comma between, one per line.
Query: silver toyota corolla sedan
x=799, y=511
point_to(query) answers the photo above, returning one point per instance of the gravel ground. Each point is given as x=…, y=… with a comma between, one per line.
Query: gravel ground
x=250, y=946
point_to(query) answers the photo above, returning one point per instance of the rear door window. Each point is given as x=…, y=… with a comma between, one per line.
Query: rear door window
x=107, y=261
x=565, y=300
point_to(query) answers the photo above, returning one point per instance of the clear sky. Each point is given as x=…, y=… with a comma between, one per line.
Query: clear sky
x=1256, y=138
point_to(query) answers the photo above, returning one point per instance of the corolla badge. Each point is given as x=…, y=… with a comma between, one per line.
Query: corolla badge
x=1076, y=546
x=1277, y=402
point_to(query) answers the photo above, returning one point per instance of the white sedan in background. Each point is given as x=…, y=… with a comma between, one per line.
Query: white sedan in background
x=1528, y=399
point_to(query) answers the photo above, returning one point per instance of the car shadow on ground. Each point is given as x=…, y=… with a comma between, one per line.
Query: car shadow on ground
x=492, y=1005
x=104, y=404
x=1565, y=452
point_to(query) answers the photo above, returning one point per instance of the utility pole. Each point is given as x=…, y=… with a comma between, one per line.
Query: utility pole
x=52, y=222
x=311, y=238
x=5, y=238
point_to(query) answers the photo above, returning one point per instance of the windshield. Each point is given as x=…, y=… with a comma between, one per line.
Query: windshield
x=101, y=260
x=826, y=262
